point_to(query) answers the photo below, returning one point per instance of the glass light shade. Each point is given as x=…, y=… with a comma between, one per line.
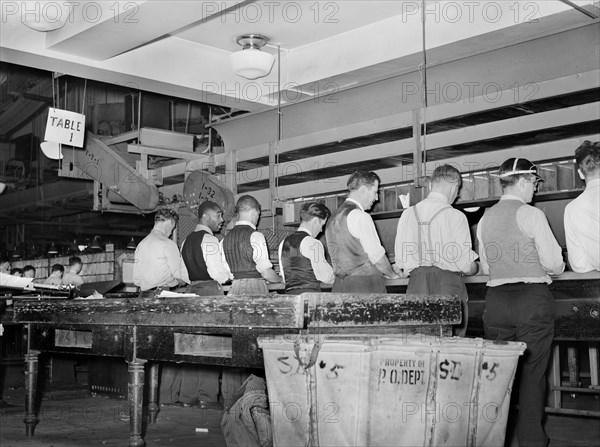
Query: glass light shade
x=251, y=63
x=52, y=250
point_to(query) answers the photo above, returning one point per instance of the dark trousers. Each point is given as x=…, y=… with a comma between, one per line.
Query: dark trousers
x=435, y=281
x=359, y=284
x=525, y=312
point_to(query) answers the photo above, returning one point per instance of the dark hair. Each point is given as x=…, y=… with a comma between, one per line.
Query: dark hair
x=587, y=157
x=246, y=203
x=166, y=214
x=74, y=260
x=513, y=169
x=208, y=206
x=28, y=268
x=314, y=209
x=4, y=258
x=58, y=268
x=360, y=178
x=16, y=270
x=446, y=173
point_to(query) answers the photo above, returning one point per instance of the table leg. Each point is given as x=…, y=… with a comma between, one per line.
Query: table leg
x=153, y=393
x=136, y=396
x=31, y=378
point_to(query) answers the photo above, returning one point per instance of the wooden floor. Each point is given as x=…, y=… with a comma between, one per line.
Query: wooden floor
x=71, y=417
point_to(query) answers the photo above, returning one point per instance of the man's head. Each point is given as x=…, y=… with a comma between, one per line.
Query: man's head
x=211, y=215
x=29, y=271
x=16, y=271
x=165, y=220
x=587, y=157
x=363, y=186
x=75, y=264
x=57, y=270
x=518, y=176
x=247, y=208
x=446, y=180
x=313, y=216
x=4, y=264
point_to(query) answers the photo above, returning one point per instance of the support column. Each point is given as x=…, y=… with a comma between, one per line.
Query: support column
x=31, y=378
x=136, y=396
x=153, y=393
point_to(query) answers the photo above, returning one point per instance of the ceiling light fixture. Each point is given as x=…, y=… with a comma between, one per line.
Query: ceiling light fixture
x=131, y=245
x=251, y=62
x=52, y=250
x=96, y=243
x=45, y=15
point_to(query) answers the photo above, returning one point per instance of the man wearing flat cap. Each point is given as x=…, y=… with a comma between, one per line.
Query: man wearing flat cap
x=519, y=251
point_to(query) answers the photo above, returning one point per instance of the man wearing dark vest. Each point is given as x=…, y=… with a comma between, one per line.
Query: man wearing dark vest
x=520, y=253
x=357, y=256
x=433, y=243
x=246, y=252
x=302, y=257
x=202, y=255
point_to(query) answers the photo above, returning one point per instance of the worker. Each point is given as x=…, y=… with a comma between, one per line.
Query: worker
x=246, y=252
x=5, y=264
x=519, y=251
x=203, y=258
x=302, y=257
x=158, y=263
x=247, y=257
x=202, y=255
x=16, y=271
x=358, y=258
x=582, y=215
x=29, y=271
x=433, y=243
x=71, y=276
x=56, y=274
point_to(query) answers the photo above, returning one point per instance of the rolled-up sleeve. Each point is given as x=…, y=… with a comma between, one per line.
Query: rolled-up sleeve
x=313, y=249
x=533, y=223
x=175, y=263
x=361, y=226
x=260, y=252
x=211, y=252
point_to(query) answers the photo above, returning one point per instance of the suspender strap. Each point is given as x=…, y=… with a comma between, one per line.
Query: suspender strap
x=420, y=225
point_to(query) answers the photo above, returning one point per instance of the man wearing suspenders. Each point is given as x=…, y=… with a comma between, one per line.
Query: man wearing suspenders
x=433, y=243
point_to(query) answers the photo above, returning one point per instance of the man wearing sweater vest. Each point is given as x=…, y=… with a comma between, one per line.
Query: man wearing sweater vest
x=246, y=252
x=519, y=251
x=582, y=215
x=433, y=243
x=202, y=255
x=302, y=257
x=358, y=258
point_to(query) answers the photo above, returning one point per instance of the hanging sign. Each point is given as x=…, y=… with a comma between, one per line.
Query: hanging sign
x=65, y=127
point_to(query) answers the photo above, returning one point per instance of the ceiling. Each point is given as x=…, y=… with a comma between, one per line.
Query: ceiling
x=182, y=48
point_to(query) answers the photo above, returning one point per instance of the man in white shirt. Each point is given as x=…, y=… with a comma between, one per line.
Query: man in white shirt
x=357, y=256
x=72, y=275
x=302, y=257
x=582, y=215
x=158, y=263
x=202, y=255
x=520, y=253
x=433, y=243
x=246, y=252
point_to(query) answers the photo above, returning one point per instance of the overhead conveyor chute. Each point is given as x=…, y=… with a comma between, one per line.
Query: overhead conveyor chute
x=100, y=162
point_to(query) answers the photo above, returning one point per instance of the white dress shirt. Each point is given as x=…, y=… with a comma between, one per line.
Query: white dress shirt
x=158, y=263
x=451, y=248
x=211, y=253
x=72, y=278
x=533, y=223
x=312, y=249
x=260, y=251
x=582, y=229
x=361, y=226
